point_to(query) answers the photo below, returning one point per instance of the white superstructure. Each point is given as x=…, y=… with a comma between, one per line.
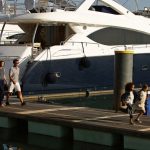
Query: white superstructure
x=85, y=34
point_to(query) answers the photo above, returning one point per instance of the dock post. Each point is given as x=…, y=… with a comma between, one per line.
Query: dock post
x=122, y=74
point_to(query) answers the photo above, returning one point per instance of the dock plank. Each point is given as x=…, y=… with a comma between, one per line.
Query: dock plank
x=80, y=117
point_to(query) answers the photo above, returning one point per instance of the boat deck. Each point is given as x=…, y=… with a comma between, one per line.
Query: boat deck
x=82, y=118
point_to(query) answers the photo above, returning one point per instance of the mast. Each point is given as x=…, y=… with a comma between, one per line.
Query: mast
x=137, y=6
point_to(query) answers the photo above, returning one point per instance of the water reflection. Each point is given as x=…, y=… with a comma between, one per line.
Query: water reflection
x=21, y=140
x=11, y=147
x=98, y=101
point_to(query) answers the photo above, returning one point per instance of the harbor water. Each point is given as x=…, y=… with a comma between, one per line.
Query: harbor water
x=103, y=101
x=21, y=141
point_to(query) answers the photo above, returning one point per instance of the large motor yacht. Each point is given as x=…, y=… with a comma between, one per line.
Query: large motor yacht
x=69, y=46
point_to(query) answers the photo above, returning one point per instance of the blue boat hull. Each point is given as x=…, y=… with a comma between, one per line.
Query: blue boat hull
x=97, y=74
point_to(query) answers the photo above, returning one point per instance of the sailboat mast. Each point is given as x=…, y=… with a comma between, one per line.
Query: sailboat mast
x=137, y=6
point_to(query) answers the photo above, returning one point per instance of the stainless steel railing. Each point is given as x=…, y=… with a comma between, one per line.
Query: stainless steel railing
x=17, y=7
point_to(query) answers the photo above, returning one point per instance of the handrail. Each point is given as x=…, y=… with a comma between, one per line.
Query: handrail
x=73, y=43
x=8, y=57
x=13, y=7
x=13, y=43
x=131, y=46
x=2, y=31
x=16, y=7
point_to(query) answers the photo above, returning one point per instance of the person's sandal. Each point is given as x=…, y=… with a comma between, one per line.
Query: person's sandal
x=23, y=103
x=131, y=122
x=137, y=120
x=2, y=105
x=7, y=103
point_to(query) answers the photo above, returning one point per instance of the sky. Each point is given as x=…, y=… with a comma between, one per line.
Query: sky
x=130, y=4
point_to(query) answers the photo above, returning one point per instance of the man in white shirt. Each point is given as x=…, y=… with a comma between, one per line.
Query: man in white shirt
x=14, y=82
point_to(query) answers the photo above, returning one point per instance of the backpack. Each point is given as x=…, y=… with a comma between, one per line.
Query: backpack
x=136, y=96
x=124, y=98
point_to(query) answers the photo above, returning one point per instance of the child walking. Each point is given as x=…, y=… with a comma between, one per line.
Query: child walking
x=139, y=105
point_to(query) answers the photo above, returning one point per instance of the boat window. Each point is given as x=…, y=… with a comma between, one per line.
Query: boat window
x=15, y=36
x=117, y=36
x=105, y=9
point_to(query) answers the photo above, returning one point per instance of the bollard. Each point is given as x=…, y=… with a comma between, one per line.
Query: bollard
x=122, y=74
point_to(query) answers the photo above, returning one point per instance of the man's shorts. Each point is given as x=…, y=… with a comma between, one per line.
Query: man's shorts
x=16, y=86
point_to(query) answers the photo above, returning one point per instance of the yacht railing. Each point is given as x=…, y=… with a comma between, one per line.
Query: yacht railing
x=12, y=7
x=4, y=58
x=9, y=42
x=113, y=48
x=85, y=43
x=18, y=7
x=133, y=46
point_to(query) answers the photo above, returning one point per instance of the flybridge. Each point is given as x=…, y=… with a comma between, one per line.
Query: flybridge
x=16, y=7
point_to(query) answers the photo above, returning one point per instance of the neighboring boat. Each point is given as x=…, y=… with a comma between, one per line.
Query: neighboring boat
x=145, y=12
x=70, y=47
x=11, y=33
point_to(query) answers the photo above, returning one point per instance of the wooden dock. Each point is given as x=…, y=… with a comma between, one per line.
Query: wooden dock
x=90, y=125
